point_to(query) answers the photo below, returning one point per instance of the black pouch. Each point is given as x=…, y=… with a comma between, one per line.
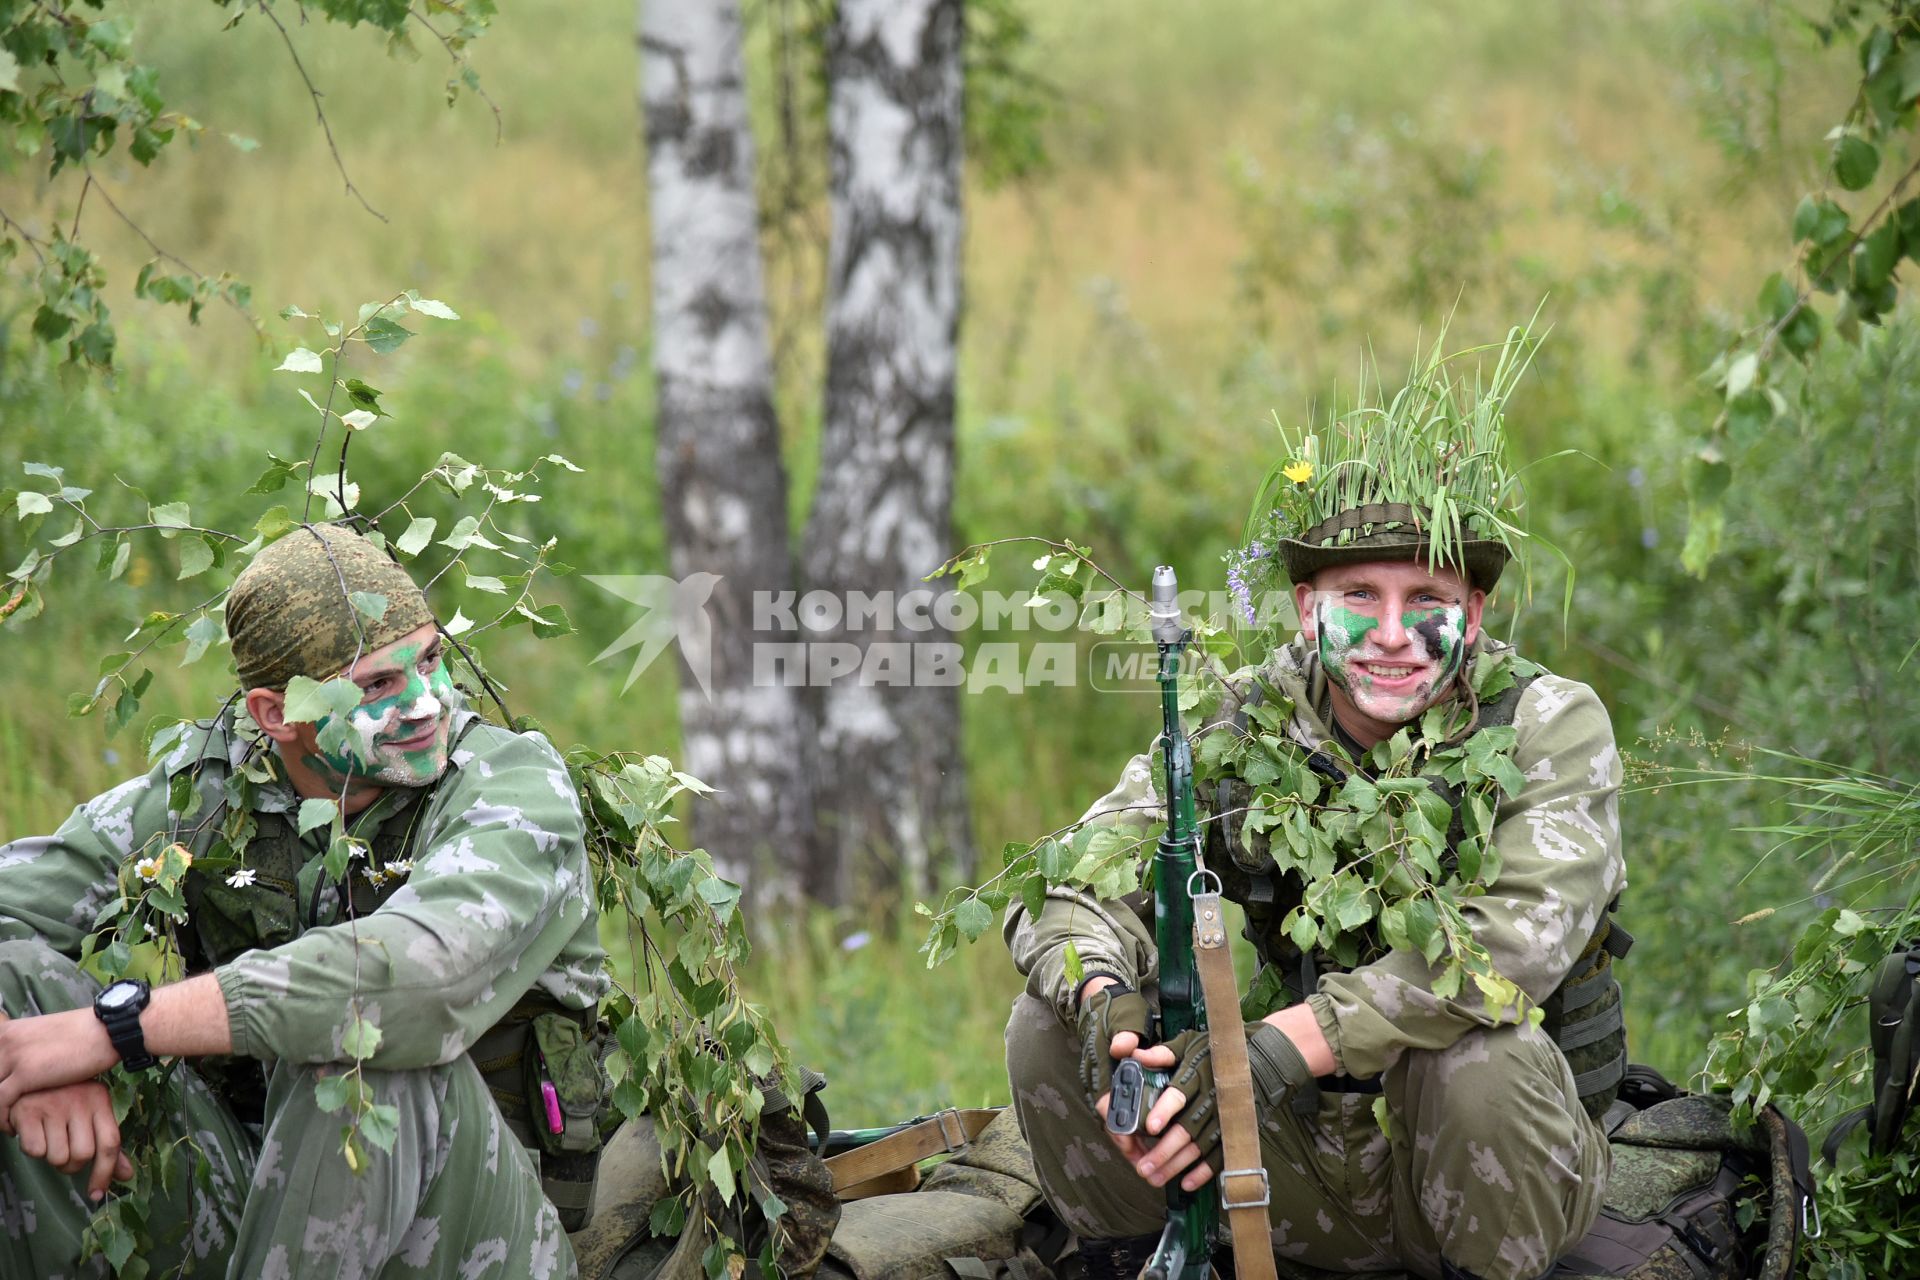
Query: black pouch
x=566, y=1083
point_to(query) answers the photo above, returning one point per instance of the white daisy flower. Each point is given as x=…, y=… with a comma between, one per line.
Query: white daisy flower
x=241, y=878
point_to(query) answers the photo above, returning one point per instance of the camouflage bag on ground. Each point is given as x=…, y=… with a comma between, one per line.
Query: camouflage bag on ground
x=1681, y=1173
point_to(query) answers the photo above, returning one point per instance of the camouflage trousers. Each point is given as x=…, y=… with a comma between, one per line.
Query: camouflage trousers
x=1490, y=1161
x=458, y=1196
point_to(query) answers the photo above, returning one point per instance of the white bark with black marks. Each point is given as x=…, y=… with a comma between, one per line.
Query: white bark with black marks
x=718, y=444
x=891, y=791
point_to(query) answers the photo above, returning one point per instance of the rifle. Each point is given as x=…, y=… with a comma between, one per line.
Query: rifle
x=1185, y=1250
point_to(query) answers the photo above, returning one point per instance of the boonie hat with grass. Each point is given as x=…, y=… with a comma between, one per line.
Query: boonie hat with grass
x=1423, y=478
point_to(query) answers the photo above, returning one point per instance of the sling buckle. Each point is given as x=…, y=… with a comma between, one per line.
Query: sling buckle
x=1226, y=1189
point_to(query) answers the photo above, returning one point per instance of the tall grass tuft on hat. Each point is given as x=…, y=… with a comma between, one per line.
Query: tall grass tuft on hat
x=1424, y=476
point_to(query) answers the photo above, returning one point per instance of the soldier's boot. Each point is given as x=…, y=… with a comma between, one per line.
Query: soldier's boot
x=1121, y=1259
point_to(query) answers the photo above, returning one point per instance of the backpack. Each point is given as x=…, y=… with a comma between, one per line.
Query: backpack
x=1681, y=1171
x=1893, y=1032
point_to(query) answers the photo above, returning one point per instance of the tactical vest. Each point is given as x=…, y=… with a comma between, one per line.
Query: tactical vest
x=224, y=920
x=1583, y=1014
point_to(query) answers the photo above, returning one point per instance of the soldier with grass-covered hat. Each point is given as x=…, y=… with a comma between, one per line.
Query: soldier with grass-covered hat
x=1422, y=829
x=370, y=873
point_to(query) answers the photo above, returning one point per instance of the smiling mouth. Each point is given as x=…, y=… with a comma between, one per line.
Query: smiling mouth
x=1391, y=672
x=419, y=741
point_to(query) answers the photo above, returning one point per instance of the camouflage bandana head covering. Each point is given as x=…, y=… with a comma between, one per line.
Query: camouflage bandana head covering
x=289, y=614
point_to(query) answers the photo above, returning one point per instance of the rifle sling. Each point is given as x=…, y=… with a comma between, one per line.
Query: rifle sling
x=950, y=1130
x=1244, y=1191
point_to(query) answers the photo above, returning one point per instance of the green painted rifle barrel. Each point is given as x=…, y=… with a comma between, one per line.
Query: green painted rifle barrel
x=1187, y=1244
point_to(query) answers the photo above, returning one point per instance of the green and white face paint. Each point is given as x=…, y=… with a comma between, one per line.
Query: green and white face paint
x=399, y=737
x=1342, y=632
x=1392, y=687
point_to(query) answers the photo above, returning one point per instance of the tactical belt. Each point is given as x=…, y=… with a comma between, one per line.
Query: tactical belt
x=1244, y=1190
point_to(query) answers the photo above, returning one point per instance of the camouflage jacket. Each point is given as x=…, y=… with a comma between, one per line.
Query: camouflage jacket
x=498, y=901
x=1559, y=843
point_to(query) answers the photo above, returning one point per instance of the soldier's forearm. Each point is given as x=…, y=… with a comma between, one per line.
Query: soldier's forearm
x=1301, y=1027
x=187, y=1019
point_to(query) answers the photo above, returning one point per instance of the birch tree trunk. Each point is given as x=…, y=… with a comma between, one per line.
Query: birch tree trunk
x=891, y=791
x=718, y=449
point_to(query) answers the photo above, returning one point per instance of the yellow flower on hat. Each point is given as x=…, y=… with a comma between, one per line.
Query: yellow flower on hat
x=1298, y=472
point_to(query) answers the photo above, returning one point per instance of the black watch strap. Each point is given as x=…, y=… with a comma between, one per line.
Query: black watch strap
x=123, y=1026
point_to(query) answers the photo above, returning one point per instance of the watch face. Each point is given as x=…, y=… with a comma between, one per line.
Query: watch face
x=121, y=995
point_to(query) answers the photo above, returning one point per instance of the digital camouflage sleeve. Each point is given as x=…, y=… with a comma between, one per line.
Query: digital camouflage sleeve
x=1559, y=843
x=499, y=901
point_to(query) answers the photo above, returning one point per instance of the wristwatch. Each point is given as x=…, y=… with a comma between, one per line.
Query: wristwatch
x=119, y=1007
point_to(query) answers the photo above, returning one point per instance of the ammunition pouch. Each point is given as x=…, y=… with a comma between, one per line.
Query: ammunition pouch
x=545, y=1067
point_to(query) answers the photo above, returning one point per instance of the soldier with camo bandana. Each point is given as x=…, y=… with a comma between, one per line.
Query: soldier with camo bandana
x=472, y=913
x=1488, y=1162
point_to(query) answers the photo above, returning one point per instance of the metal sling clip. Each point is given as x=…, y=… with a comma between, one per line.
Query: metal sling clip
x=1226, y=1189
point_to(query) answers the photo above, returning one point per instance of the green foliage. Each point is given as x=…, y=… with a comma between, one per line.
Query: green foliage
x=1799, y=1038
x=1850, y=254
x=692, y=1052
x=1008, y=101
x=73, y=88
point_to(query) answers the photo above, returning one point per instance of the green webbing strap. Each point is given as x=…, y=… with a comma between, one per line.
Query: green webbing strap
x=1353, y=518
x=1578, y=1035
x=812, y=1110
x=565, y=1196
x=1608, y=1076
x=1578, y=995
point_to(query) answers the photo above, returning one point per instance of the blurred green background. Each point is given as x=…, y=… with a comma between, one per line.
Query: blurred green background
x=1243, y=200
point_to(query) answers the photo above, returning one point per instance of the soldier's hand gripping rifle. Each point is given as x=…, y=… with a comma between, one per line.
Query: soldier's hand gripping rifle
x=1186, y=1245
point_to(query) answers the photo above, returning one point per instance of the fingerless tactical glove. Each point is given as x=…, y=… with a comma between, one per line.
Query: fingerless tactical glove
x=1104, y=1015
x=1192, y=1075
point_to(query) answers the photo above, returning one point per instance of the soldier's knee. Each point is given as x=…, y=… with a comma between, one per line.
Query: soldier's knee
x=1039, y=1046
x=1043, y=1071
